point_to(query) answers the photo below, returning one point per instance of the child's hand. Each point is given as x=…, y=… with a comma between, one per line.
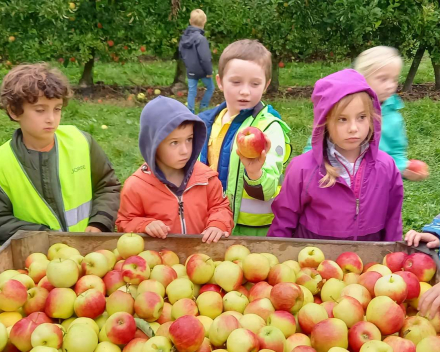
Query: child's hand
x=157, y=229
x=414, y=176
x=430, y=301
x=413, y=238
x=254, y=166
x=92, y=229
x=213, y=234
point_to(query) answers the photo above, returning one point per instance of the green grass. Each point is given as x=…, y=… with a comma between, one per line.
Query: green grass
x=161, y=73
x=120, y=142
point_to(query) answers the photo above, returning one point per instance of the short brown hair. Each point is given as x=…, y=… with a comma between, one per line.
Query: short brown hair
x=185, y=123
x=249, y=50
x=197, y=18
x=26, y=83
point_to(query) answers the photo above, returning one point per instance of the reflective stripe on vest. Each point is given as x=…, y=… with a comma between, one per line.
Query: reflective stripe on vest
x=74, y=175
x=255, y=212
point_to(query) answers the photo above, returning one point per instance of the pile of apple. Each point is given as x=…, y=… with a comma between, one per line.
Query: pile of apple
x=138, y=300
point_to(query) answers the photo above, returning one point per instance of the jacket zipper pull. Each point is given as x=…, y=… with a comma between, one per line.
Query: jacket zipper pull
x=357, y=208
x=182, y=216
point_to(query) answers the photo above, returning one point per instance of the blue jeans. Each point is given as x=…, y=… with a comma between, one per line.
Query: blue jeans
x=192, y=93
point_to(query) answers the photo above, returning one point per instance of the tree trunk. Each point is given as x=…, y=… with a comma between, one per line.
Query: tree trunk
x=179, y=82
x=86, y=80
x=414, y=67
x=436, y=67
x=275, y=82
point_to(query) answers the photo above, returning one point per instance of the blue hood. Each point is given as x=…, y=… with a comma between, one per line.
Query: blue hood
x=158, y=119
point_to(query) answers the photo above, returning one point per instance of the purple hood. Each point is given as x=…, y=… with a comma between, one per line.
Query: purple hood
x=304, y=209
x=327, y=92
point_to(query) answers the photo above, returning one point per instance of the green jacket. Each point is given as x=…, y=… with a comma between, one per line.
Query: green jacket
x=244, y=193
x=41, y=167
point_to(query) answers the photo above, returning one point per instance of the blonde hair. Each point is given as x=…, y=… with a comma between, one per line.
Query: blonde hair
x=248, y=50
x=371, y=60
x=332, y=172
x=197, y=18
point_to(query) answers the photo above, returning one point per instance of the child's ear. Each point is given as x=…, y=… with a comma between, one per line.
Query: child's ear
x=14, y=116
x=267, y=85
x=219, y=82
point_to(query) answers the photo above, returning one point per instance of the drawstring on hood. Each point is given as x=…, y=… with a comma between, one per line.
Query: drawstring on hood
x=159, y=118
x=330, y=90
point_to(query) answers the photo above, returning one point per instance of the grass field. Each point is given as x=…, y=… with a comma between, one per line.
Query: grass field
x=120, y=141
x=161, y=73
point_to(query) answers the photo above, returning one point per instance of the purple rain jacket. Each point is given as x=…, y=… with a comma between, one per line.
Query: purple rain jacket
x=369, y=210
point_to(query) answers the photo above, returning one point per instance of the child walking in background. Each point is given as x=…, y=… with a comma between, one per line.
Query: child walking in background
x=173, y=192
x=195, y=53
x=245, y=69
x=381, y=67
x=345, y=188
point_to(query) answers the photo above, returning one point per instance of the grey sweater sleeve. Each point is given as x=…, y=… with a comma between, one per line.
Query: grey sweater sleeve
x=205, y=56
x=9, y=224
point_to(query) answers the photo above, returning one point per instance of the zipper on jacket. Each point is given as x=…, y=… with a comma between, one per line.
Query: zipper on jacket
x=182, y=215
x=180, y=203
x=357, y=208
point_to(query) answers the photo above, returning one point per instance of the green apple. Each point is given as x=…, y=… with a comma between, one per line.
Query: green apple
x=178, y=289
x=95, y=264
x=87, y=321
x=46, y=334
x=236, y=252
x=53, y=250
x=331, y=291
x=80, y=338
x=228, y=276
x=220, y=329
x=310, y=257
x=62, y=273
x=235, y=301
x=130, y=244
x=242, y=340
x=3, y=337
x=210, y=304
x=158, y=344
x=252, y=322
x=376, y=346
x=107, y=346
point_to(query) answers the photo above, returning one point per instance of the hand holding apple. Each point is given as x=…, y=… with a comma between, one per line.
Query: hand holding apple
x=253, y=161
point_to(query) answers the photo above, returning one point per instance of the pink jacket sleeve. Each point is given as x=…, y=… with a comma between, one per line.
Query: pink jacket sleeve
x=393, y=226
x=287, y=206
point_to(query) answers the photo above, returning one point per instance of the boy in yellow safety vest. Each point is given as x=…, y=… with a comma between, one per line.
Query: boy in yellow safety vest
x=52, y=177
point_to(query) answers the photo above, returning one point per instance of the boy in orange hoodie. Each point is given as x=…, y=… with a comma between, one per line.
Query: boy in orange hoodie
x=173, y=192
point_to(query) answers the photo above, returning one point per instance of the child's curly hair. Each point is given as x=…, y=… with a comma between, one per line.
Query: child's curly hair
x=26, y=83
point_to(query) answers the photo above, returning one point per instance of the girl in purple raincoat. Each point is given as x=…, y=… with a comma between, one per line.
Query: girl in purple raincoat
x=345, y=188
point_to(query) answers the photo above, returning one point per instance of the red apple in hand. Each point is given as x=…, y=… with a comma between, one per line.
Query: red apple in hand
x=418, y=166
x=251, y=142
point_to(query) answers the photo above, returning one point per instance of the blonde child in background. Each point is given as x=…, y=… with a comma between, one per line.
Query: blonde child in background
x=381, y=67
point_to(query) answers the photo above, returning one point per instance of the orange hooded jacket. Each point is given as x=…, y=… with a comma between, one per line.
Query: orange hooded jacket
x=145, y=198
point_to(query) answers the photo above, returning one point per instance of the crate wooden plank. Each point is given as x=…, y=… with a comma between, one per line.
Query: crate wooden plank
x=14, y=252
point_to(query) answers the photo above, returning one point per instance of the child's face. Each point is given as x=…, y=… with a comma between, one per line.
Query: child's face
x=175, y=150
x=384, y=81
x=243, y=84
x=39, y=121
x=351, y=127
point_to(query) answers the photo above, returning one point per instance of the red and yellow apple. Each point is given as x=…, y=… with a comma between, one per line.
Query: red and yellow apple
x=251, y=142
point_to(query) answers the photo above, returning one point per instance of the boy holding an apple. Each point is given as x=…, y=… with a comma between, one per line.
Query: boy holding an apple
x=251, y=180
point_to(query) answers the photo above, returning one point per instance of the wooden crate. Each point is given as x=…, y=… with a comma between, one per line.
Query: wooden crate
x=14, y=252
